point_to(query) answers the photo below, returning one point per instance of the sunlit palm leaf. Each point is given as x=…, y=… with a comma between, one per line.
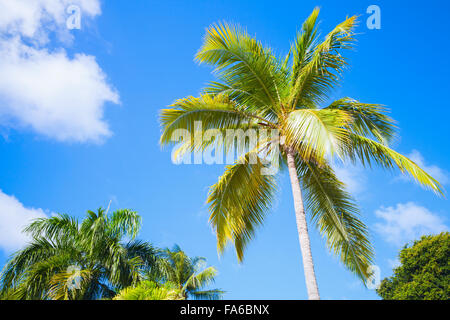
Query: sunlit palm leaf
x=322, y=71
x=69, y=285
x=239, y=202
x=337, y=217
x=369, y=151
x=304, y=43
x=320, y=132
x=199, y=115
x=201, y=279
x=242, y=62
x=57, y=228
x=125, y=223
x=368, y=119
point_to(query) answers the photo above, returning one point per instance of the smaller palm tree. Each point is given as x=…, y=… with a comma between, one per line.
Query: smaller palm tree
x=188, y=274
x=150, y=290
x=71, y=260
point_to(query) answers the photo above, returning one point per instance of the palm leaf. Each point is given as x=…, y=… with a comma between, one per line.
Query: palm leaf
x=200, y=279
x=323, y=68
x=304, y=43
x=369, y=151
x=239, y=202
x=337, y=217
x=368, y=119
x=318, y=132
x=243, y=62
x=125, y=222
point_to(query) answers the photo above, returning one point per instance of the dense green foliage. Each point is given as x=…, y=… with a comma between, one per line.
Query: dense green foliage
x=424, y=273
x=189, y=275
x=92, y=252
x=176, y=276
x=150, y=290
x=95, y=259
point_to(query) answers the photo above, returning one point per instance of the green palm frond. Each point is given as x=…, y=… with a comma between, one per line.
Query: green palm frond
x=318, y=132
x=200, y=280
x=14, y=270
x=369, y=151
x=324, y=66
x=197, y=115
x=58, y=227
x=188, y=274
x=125, y=223
x=13, y=294
x=37, y=280
x=304, y=43
x=138, y=248
x=238, y=95
x=368, y=119
x=242, y=62
x=94, y=227
x=336, y=215
x=239, y=202
x=63, y=286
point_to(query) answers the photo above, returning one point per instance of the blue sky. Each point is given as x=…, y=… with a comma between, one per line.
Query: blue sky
x=130, y=60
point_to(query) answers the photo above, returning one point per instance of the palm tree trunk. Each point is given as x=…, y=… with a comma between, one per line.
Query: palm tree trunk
x=302, y=227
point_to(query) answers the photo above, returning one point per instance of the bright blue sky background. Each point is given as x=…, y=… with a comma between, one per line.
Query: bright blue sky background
x=146, y=48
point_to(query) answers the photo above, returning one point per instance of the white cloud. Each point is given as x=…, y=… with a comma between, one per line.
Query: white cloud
x=406, y=222
x=353, y=177
x=55, y=95
x=436, y=172
x=34, y=19
x=13, y=218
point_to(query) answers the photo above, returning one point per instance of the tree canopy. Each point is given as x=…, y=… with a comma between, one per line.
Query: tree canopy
x=100, y=258
x=189, y=275
x=424, y=273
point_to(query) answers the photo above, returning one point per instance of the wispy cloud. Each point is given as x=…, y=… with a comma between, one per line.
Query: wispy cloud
x=436, y=172
x=352, y=176
x=14, y=216
x=46, y=90
x=406, y=222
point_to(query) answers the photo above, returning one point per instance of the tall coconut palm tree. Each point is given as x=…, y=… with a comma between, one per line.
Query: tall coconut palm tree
x=258, y=90
x=189, y=275
x=71, y=260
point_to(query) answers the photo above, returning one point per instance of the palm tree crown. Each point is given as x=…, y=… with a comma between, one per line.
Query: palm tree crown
x=258, y=90
x=189, y=275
